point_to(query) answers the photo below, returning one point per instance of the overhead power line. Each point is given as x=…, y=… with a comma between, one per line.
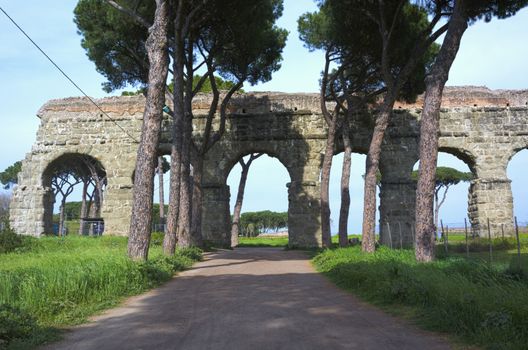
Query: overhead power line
x=66, y=75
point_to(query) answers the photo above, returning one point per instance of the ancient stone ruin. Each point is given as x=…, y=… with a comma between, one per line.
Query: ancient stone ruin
x=483, y=128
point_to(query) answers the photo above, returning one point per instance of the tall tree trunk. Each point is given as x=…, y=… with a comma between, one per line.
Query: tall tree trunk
x=345, y=183
x=438, y=205
x=436, y=213
x=141, y=222
x=96, y=205
x=196, y=226
x=368, y=240
x=325, y=183
x=171, y=232
x=61, y=217
x=186, y=187
x=235, y=227
x=161, y=192
x=186, y=190
x=429, y=127
x=84, y=206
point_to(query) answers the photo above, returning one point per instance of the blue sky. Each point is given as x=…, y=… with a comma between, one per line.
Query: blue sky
x=492, y=54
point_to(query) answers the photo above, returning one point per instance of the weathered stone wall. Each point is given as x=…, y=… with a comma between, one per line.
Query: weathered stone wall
x=75, y=126
x=484, y=128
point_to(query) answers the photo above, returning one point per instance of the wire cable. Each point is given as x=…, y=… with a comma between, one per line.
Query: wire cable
x=67, y=77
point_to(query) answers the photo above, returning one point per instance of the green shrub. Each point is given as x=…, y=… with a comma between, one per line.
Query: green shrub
x=9, y=240
x=14, y=324
x=156, y=239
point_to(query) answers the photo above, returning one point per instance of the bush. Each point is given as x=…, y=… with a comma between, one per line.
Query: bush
x=156, y=239
x=14, y=324
x=9, y=240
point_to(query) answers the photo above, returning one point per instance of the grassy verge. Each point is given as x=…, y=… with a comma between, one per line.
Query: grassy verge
x=276, y=241
x=503, y=255
x=53, y=282
x=476, y=302
x=263, y=241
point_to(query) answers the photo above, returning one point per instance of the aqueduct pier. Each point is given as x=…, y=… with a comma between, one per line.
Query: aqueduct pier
x=483, y=128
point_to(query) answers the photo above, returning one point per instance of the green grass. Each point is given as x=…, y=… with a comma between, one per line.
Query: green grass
x=62, y=281
x=504, y=251
x=263, y=241
x=281, y=241
x=477, y=303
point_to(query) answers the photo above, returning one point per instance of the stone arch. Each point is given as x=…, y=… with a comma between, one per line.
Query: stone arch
x=87, y=169
x=516, y=147
x=301, y=160
x=232, y=161
x=489, y=194
x=464, y=155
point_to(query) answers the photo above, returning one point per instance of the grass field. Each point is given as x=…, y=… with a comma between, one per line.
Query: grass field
x=52, y=282
x=281, y=241
x=477, y=303
x=263, y=241
x=503, y=255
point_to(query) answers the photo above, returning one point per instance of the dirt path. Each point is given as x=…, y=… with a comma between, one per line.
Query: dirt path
x=250, y=298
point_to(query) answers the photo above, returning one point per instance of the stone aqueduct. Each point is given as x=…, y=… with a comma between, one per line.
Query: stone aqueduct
x=483, y=128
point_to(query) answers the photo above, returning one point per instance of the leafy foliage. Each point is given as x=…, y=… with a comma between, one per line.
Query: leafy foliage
x=245, y=46
x=446, y=176
x=254, y=223
x=10, y=174
x=114, y=41
x=206, y=87
x=221, y=84
x=349, y=31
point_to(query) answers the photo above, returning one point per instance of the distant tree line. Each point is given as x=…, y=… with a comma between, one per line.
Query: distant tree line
x=254, y=223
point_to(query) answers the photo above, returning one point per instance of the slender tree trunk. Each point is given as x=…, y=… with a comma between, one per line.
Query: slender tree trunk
x=235, y=228
x=196, y=229
x=84, y=206
x=429, y=127
x=96, y=205
x=438, y=205
x=345, y=184
x=185, y=217
x=368, y=240
x=171, y=232
x=161, y=192
x=95, y=210
x=141, y=222
x=61, y=217
x=186, y=192
x=436, y=213
x=325, y=183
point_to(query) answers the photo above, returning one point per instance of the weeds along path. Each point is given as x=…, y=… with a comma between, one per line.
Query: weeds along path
x=249, y=298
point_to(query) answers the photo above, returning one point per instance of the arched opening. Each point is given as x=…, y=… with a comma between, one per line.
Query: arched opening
x=75, y=186
x=455, y=170
x=356, y=190
x=263, y=204
x=516, y=173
